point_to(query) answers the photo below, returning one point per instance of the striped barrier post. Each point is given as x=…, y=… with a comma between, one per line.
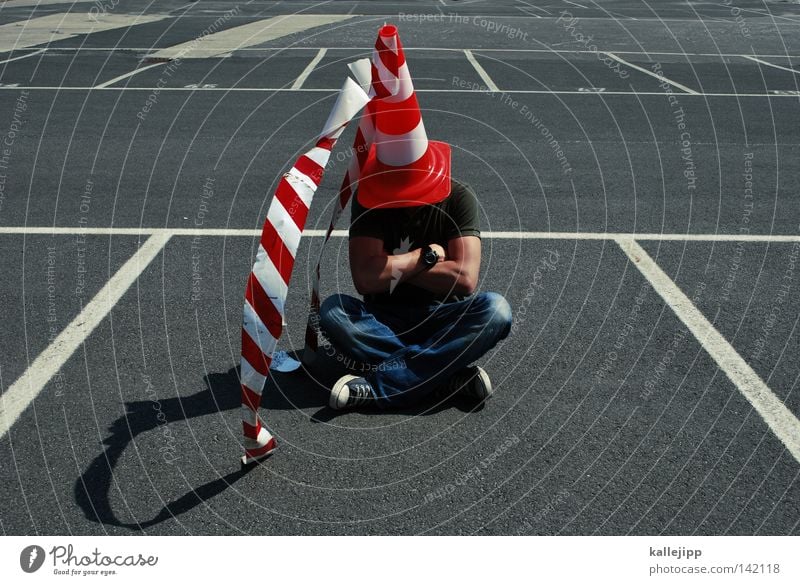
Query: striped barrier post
x=268, y=282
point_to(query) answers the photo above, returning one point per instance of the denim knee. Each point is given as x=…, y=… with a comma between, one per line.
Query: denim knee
x=333, y=312
x=499, y=312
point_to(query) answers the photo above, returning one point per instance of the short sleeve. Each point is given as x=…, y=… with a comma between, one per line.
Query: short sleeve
x=365, y=222
x=463, y=212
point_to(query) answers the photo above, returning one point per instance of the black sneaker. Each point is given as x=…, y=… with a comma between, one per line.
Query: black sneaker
x=472, y=382
x=350, y=392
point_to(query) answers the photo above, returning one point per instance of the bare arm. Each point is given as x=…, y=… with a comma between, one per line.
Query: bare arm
x=459, y=271
x=374, y=270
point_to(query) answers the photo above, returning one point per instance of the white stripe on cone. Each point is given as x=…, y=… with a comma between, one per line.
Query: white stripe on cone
x=405, y=87
x=399, y=150
x=391, y=43
x=386, y=77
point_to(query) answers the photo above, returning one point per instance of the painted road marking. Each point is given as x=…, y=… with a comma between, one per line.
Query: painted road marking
x=246, y=35
x=762, y=13
x=407, y=49
x=22, y=392
x=780, y=420
x=652, y=74
x=498, y=235
x=298, y=83
x=481, y=71
x=23, y=56
x=532, y=7
x=37, y=3
x=57, y=27
x=771, y=64
x=126, y=75
x=333, y=91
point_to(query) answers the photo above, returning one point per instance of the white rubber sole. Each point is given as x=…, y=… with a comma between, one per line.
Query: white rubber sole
x=487, y=384
x=340, y=392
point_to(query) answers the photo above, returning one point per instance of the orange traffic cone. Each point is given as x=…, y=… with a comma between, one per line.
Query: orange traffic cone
x=403, y=168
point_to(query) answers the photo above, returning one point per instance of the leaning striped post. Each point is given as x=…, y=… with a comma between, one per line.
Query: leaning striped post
x=268, y=283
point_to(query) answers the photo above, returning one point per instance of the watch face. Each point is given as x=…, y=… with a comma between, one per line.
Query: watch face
x=430, y=257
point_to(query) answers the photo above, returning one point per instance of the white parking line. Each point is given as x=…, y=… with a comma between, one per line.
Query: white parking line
x=126, y=75
x=37, y=3
x=532, y=7
x=332, y=91
x=481, y=71
x=57, y=27
x=22, y=56
x=298, y=83
x=21, y=393
x=254, y=33
x=583, y=92
x=771, y=64
x=780, y=420
x=652, y=74
x=761, y=13
x=521, y=9
x=407, y=49
x=498, y=235
x=221, y=43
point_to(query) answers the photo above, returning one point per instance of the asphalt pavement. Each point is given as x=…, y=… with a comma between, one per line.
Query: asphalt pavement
x=582, y=126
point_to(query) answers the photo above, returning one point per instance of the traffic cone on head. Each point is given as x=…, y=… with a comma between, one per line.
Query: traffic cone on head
x=403, y=168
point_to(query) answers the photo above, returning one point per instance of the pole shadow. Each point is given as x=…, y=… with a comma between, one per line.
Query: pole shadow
x=305, y=388
x=222, y=392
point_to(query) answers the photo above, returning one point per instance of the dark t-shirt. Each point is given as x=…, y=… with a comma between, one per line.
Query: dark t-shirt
x=403, y=229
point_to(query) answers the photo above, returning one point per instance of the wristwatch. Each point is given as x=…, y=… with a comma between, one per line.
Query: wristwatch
x=429, y=256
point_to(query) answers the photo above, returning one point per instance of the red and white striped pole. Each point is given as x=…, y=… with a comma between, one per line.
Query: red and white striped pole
x=268, y=283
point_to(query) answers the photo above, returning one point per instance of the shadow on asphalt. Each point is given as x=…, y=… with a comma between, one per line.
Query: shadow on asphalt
x=308, y=389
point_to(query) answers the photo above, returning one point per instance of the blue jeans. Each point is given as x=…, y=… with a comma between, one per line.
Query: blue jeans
x=406, y=352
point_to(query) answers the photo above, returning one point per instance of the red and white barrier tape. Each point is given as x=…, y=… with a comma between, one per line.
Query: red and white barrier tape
x=268, y=283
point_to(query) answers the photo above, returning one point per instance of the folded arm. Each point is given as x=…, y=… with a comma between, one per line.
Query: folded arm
x=456, y=272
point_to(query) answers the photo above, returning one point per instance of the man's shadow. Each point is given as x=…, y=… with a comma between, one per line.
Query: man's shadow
x=222, y=392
